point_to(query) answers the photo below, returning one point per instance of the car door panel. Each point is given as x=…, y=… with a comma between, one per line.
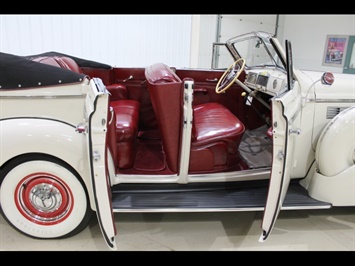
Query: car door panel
x=97, y=114
x=286, y=114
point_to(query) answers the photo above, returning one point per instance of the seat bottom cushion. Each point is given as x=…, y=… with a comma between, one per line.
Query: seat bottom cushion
x=214, y=122
x=216, y=135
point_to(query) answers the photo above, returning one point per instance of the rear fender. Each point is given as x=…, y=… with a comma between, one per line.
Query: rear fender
x=46, y=136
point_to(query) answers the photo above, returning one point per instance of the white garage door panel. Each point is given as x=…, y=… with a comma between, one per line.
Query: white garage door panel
x=119, y=40
x=233, y=25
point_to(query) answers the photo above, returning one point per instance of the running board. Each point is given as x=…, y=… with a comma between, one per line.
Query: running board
x=212, y=197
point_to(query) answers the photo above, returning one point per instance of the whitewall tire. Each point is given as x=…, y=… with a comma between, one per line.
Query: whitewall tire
x=42, y=197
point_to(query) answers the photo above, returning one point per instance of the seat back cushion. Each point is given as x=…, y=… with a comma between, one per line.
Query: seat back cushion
x=125, y=131
x=165, y=90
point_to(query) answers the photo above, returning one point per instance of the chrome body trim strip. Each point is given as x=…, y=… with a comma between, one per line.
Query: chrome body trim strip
x=335, y=101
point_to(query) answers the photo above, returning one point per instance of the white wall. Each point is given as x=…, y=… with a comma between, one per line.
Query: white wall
x=176, y=40
x=231, y=25
x=207, y=35
x=118, y=40
x=308, y=33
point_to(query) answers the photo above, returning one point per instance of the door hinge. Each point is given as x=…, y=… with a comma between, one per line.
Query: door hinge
x=280, y=155
x=295, y=131
x=96, y=156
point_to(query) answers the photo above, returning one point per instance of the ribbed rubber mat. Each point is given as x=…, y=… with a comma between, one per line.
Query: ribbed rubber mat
x=236, y=198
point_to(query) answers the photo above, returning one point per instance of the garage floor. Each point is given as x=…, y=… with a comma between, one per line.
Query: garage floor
x=314, y=230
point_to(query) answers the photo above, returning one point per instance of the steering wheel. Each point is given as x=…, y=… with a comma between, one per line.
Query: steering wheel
x=230, y=75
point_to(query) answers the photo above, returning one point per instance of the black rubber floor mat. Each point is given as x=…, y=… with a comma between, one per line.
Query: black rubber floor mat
x=256, y=148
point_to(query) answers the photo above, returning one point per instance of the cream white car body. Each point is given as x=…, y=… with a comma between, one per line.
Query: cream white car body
x=313, y=134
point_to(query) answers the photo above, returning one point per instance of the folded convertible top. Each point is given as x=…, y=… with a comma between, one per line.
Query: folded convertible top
x=18, y=72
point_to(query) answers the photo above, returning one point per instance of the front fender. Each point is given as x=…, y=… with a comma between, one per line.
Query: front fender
x=335, y=150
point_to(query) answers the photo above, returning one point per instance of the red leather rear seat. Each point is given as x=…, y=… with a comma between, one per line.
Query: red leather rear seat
x=123, y=131
x=126, y=121
x=117, y=91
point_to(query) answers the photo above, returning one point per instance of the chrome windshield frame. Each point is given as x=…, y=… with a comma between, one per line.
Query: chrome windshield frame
x=263, y=39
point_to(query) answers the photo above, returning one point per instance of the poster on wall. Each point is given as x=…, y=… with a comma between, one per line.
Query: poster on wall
x=334, y=52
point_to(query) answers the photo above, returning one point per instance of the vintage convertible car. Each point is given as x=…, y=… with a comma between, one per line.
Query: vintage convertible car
x=81, y=137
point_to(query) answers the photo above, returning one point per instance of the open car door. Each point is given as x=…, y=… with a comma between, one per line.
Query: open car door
x=286, y=119
x=96, y=111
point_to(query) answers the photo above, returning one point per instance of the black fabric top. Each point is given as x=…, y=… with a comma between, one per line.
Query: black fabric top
x=19, y=72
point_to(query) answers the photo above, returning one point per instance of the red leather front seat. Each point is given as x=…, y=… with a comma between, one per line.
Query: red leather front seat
x=216, y=135
x=216, y=131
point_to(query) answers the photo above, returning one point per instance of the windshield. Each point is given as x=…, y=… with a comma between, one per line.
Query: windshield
x=256, y=49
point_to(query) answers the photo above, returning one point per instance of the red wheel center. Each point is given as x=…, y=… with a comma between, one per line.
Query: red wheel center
x=43, y=198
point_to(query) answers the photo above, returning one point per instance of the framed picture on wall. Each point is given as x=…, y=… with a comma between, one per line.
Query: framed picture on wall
x=335, y=49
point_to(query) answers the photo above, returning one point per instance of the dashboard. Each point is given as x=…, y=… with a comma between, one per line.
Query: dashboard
x=270, y=81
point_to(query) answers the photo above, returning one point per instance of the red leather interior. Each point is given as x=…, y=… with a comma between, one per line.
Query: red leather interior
x=126, y=119
x=118, y=92
x=105, y=74
x=214, y=122
x=216, y=131
x=216, y=135
x=165, y=89
x=152, y=98
x=205, y=82
x=134, y=81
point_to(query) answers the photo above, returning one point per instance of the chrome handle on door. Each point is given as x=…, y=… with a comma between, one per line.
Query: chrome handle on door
x=112, y=115
x=130, y=77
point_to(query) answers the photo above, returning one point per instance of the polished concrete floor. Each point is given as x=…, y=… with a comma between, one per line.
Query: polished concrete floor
x=311, y=230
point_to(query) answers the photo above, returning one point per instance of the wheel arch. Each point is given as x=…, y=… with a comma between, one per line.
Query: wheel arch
x=48, y=157
x=35, y=156
x=47, y=137
x=335, y=151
